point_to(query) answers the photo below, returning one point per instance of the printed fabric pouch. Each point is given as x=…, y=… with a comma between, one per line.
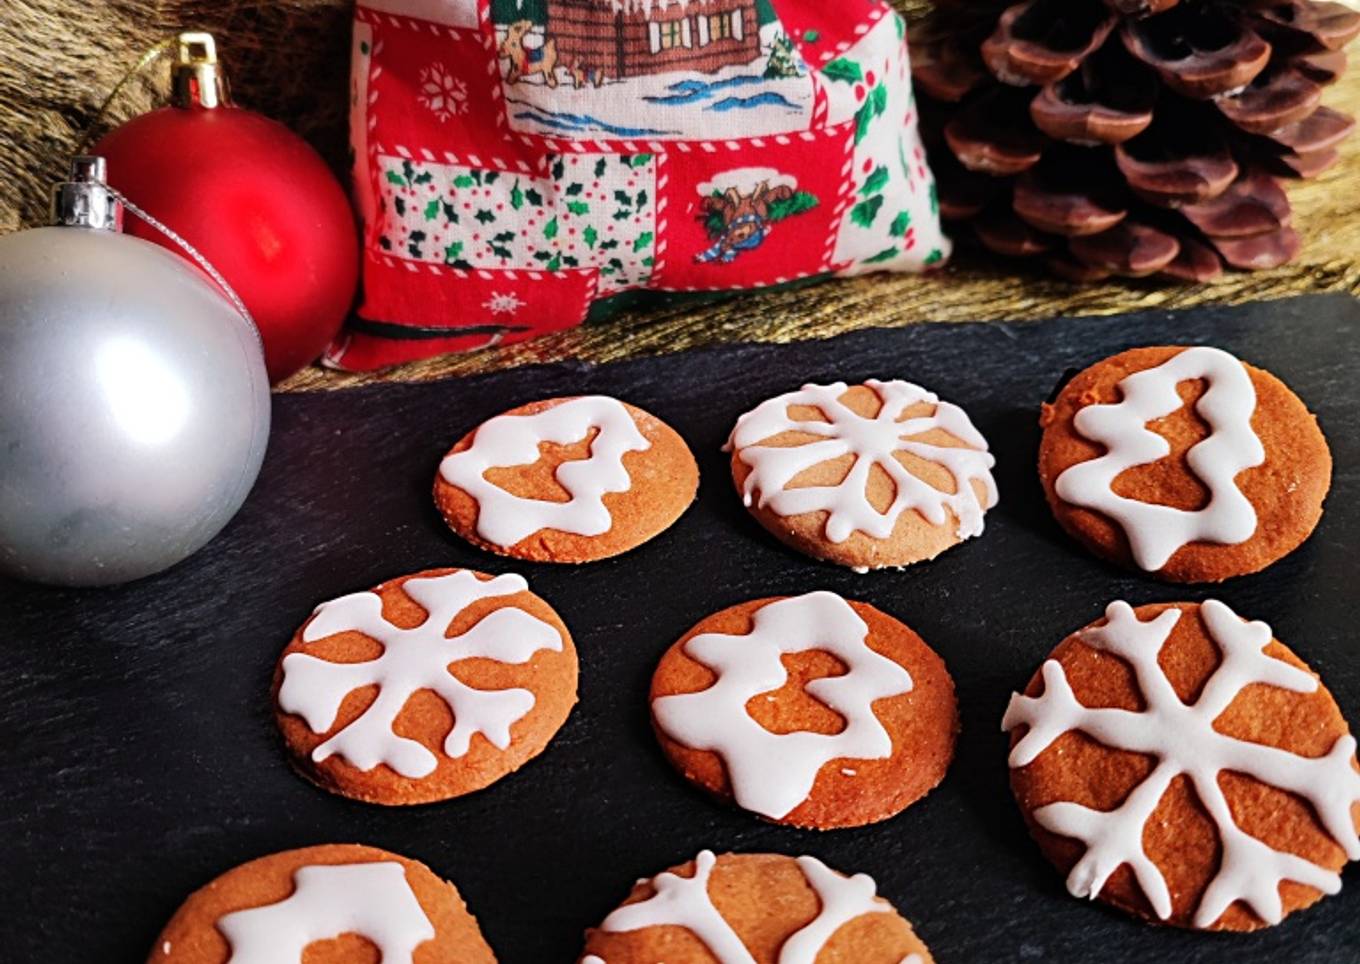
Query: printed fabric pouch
x=521, y=165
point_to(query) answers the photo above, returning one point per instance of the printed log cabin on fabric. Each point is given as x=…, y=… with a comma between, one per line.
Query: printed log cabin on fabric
x=519, y=164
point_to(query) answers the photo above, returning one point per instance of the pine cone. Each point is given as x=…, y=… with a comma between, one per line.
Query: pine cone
x=1131, y=137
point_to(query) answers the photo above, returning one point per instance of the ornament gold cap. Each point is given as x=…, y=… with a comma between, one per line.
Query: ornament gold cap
x=84, y=199
x=196, y=78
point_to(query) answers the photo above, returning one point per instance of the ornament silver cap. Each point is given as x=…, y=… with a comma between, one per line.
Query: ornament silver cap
x=84, y=199
x=196, y=78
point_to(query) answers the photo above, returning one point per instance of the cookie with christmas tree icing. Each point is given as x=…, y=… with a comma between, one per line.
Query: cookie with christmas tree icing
x=336, y=902
x=1178, y=762
x=426, y=687
x=813, y=710
x=1186, y=463
x=754, y=909
x=566, y=480
x=867, y=476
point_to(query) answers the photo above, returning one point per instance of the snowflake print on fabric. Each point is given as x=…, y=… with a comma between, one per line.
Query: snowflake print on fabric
x=444, y=94
x=1182, y=738
x=503, y=303
x=412, y=660
x=875, y=441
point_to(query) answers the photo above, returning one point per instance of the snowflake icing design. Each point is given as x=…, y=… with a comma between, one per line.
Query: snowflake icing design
x=1182, y=738
x=873, y=442
x=412, y=660
x=444, y=94
x=503, y=303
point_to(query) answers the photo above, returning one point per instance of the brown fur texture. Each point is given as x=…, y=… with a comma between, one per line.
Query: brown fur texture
x=288, y=59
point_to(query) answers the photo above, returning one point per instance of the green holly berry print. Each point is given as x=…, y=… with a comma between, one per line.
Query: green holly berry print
x=589, y=211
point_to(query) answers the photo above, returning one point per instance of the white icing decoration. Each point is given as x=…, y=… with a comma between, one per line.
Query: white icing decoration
x=872, y=441
x=1182, y=738
x=772, y=773
x=373, y=900
x=509, y=440
x=412, y=660
x=1155, y=532
x=685, y=902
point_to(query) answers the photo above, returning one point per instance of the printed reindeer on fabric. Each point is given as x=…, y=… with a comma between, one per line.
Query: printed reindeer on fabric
x=741, y=220
x=521, y=164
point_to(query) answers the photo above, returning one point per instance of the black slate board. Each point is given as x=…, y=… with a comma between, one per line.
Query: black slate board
x=138, y=756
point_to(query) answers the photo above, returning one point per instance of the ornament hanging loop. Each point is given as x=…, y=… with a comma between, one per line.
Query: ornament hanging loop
x=85, y=200
x=196, y=78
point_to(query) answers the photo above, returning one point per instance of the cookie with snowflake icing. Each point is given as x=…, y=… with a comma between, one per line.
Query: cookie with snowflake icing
x=337, y=901
x=754, y=909
x=426, y=687
x=813, y=710
x=1178, y=762
x=867, y=476
x=1186, y=463
x=566, y=480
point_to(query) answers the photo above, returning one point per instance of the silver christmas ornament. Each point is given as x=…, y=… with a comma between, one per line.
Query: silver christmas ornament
x=134, y=406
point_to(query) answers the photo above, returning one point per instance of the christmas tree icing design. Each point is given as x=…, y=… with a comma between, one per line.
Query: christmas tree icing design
x=1156, y=532
x=415, y=659
x=685, y=902
x=1182, y=738
x=873, y=442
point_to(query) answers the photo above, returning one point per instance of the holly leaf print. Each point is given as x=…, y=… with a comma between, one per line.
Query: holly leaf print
x=450, y=213
x=501, y=251
x=485, y=216
x=643, y=240
x=609, y=244
x=934, y=199
x=555, y=263
x=590, y=236
x=575, y=188
x=876, y=181
x=570, y=261
x=394, y=178
x=623, y=197
x=490, y=177
x=463, y=180
x=935, y=256
x=578, y=207
x=600, y=167
x=865, y=211
x=900, y=224
x=432, y=210
x=533, y=197
x=557, y=169
x=639, y=160
x=642, y=199
x=873, y=106
x=504, y=237
x=516, y=196
x=399, y=205
x=622, y=214
x=887, y=254
x=550, y=229
x=843, y=70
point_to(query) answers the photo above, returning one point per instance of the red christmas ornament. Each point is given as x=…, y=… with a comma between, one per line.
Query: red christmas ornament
x=252, y=196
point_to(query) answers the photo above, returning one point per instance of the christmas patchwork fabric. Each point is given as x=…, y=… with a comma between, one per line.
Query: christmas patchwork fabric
x=520, y=164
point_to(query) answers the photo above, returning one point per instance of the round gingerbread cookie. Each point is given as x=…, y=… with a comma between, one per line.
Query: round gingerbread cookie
x=867, y=476
x=1179, y=763
x=1184, y=462
x=426, y=687
x=754, y=909
x=811, y=710
x=332, y=904
x=566, y=480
